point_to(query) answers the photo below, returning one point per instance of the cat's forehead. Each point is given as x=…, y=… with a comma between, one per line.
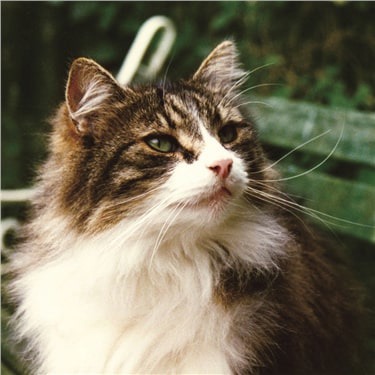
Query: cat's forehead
x=185, y=109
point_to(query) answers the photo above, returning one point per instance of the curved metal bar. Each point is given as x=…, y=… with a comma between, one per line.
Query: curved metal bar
x=19, y=195
x=142, y=41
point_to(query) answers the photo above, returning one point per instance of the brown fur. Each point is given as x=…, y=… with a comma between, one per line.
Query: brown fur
x=306, y=318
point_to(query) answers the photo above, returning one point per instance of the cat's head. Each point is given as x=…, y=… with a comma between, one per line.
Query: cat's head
x=178, y=152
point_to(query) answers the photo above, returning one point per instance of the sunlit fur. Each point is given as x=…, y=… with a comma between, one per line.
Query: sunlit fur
x=138, y=261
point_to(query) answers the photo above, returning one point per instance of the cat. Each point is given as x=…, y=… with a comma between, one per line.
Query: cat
x=159, y=242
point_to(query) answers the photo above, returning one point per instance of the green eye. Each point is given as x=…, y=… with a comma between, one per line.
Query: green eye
x=228, y=133
x=162, y=143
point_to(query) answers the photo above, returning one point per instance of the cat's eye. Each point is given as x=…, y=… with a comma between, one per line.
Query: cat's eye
x=228, y=133
x=162, y=143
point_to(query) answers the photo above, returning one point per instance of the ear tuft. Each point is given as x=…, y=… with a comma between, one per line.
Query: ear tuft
x=221, y=70
x=88, y=89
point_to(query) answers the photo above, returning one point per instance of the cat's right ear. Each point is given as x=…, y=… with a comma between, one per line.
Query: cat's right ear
x=221, y=71
x=89, y=89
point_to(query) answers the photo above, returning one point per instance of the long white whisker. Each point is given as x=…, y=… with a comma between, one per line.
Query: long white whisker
x=255, y=193
x=166, y=72
x=294, y=150
x=254, y=102
x=108, y=211
x=251, y=88
x=242, y=80
x=312, y=212
x=238, y=83
x=261, y=67
x=345, y=221
x=275, y=189
x=167, y=224
x=146, y=224
x=149, y=214
x=313, y=168
x=284, y=203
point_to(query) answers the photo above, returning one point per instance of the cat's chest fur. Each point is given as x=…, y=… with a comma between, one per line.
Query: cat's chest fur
x=110, y=310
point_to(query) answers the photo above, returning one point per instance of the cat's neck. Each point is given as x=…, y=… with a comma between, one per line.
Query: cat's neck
x=256, y=240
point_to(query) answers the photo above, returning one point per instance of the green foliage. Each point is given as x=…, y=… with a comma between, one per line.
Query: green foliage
x=329, y=88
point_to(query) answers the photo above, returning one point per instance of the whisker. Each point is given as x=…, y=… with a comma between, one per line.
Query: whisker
x=166, y=72
x=167, y=224
x=254, y=102
x=261, y=67
x=287, y=197
x=313, y=168
x=145, y=217
x=237, y=84
x=294, y=150
x=283, y=204
x=108, y=211
x=287, y=201
x=345, y=221
x=247, y=74
x=252, y=88
x=243, y=79
x=138, y=196
x=309, y=211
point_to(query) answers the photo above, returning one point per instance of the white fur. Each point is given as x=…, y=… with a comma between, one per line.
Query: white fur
x=138, y=298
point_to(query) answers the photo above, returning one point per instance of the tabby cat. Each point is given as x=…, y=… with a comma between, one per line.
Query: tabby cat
x=159, y=241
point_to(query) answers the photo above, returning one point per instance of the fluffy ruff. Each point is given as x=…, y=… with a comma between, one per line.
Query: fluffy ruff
x=107, y=304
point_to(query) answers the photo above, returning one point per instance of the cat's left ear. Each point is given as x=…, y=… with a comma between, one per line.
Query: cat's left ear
x=221, y=71
x=90, y=88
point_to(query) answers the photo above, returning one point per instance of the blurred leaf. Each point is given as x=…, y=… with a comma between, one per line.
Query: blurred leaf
x=108, y=15
x=226, y=16
x=82, y=10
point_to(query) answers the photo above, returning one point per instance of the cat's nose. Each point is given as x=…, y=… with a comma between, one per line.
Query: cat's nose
x=221, y=168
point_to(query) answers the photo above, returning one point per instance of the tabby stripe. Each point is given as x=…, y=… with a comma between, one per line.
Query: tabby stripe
x=102, y=180
x=188, y=156
x=168, y=120
x=132, y=184
x=178, y=110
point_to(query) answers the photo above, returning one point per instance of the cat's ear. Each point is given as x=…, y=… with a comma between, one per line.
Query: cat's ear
x=221, y=70
x=89, y=89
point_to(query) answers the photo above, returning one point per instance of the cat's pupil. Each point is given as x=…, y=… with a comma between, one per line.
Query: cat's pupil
x=228, y=134
x=162, y=143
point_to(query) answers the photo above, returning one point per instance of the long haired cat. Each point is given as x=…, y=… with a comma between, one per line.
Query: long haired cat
x=159, y=243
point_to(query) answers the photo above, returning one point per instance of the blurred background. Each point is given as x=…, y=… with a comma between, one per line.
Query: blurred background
x=316, y=52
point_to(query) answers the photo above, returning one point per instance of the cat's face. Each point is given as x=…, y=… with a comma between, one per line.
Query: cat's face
x=174, y=153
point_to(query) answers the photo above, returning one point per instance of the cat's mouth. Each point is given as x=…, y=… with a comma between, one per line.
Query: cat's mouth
x=212, y=199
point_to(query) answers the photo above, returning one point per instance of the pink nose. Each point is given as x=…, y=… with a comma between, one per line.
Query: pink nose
x=222, y=168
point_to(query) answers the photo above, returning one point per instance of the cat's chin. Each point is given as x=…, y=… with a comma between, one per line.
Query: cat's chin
x=214, y=205
x=218, y=198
